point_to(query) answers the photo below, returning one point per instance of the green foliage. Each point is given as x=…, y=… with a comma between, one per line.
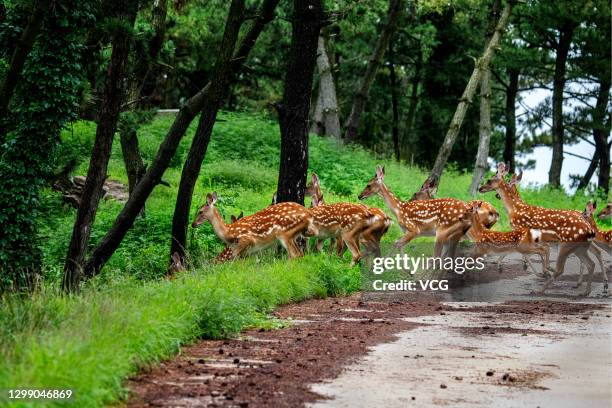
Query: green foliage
x=94, y=341
x=45, y=98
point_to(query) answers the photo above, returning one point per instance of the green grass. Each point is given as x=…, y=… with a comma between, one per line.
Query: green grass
x=129, y=317
x=94, y=341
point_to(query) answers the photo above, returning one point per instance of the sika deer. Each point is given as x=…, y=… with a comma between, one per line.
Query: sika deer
x=371, y=235
x=606, y=212
x=227, y=254
x=342, y=221
x=569, y=227
x=523, y=240
x=447, y=217
x=599, y=245
x=281, y=222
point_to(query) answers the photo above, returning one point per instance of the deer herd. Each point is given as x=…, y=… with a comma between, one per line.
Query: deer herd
x=350, y=225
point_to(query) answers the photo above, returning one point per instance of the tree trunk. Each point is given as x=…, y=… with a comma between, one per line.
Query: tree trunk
x=601, y=133
x=113, y=96
x=394, y=104
x=308, y=19
x=414, y=101
x=563, y=46
x=124, y=221
x=584, y=181
x=134, y=165
x=326, y=117
x=484, y=136
x=22, y=50
x=128, y=129
x=466, y=99
x=219, y=89
x=510, y=145
x=396, y=7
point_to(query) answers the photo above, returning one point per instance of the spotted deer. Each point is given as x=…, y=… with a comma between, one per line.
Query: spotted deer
x=371, y=236
x=227, y=254
x=487, y=213
x=448, y=218
x=281, y=222
x=600, y=245
x=526, y=241
x=606, y=212
x=569, y=228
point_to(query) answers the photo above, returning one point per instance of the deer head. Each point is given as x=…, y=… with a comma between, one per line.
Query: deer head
x=494, y=182
x=589, y=210
x=374, y=185
x=234, y=218
x=427, y=191
x=606, y=212
x=313, y=189
x=206, y=212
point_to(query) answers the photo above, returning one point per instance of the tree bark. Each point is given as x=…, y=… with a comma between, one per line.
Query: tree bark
x=601, y=133
x=22, y=50
x=124, y=221
x=308, y=19
x=510, y=144
x=484, y=136
x=565, y=39
x=394, y=104
x=326, y=119
x=134, y=165
x=584, y=181
x=466, y=99
x=219, y=89
x=113, y=96
x=396, y=7
x=413, y=102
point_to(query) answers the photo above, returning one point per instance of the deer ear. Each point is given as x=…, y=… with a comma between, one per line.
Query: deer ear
x=520, y=176
x=209, y=199
x=380, y=173
x=214, y=198
x=315, y=179
x=233, y=218
x=241, y=214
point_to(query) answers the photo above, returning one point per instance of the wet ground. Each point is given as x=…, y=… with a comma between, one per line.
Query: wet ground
x=515, y=349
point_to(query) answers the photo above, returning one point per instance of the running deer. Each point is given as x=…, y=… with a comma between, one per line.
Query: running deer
x=281, y=222
x=600, y=244
x=370, y=236
x=567, y=227
x=342, y=221
x=488, y=214
x=448, y=218
x=523, y=240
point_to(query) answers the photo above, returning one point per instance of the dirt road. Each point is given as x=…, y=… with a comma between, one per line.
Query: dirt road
x=352, y=352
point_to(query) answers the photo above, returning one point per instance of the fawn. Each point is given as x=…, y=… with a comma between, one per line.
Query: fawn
x=606, y=212
x=281, y=222
x=343, y=221
x=568, y=227
x=447, y=217
x=227, y=254
x=370, y=236
x=522, y=240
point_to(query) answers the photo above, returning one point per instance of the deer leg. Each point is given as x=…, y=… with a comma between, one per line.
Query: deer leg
x=292, y=249
x=340, y=247
x=352, y=242
x=598, y=254
x=409, y=236
x=583, y=254
x=564, y=252
x=579, y=282
x=239, y=250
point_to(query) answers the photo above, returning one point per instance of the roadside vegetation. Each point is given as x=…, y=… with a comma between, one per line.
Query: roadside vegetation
x=130, y=316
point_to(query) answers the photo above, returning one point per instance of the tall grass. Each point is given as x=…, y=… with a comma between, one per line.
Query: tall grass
x=128, y=318
x=92, y=342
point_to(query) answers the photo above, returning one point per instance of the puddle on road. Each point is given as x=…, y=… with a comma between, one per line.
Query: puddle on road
x=441, y=364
